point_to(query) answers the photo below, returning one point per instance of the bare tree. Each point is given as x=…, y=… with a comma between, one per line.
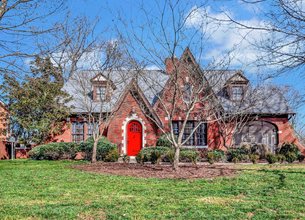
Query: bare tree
x=184, y=93
x=21, y=24
x=282, y=25
x=187, y=95
x=94, y=89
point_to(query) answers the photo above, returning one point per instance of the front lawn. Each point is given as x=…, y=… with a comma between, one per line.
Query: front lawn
x=53, y=190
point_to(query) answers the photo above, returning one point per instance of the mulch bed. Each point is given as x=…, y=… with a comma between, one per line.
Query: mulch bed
x=186, y=171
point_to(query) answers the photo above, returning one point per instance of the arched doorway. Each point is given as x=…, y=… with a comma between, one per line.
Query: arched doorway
x=260, y=132
x=134, y=138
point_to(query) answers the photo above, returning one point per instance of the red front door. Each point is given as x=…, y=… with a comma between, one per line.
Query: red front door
x=134, y=138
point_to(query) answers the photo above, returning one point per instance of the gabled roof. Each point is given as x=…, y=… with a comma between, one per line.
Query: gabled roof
x=268, y=100
x=237, y=77
x=80, y=87
x=139, y=96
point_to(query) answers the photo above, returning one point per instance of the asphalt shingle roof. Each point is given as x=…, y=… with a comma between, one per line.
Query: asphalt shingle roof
x=263, y=100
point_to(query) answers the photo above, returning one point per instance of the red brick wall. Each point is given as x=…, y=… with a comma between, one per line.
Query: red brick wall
x=3, y=127
x=286, y=132
x=65, y=136
x=128, y=107
x=3, y=153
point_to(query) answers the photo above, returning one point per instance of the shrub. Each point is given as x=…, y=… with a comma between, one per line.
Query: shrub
x=245, y=148
x=163, y=141
x=290, y=151
x=215, y=156
x=54, y=151
x=169, y=156
x=203, y=153
x=151, y=154
x=271, y=158
x=126, y=158
x=281, y=158
x=260, y=149
x=155, y=156
x=140, y=157
x=287, y=148
x=301, y=157
x=291, y=157
x=236, y=155
x=112, y=156
x=254, y=158
x=189, y=156
x=104, y=147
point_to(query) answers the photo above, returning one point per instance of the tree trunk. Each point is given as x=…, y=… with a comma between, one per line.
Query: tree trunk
x=176, y=159
x=93, y=159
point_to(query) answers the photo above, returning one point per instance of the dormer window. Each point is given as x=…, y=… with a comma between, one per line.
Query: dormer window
x=102, y=88
x=100, y=93
x=237, y=93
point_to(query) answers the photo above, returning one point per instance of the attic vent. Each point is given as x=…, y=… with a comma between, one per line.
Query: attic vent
x=189, y=59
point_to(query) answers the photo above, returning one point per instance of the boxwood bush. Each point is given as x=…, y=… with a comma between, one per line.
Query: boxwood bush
x=290, y=151
x=215, y=156
x=237, y=155
x=54, y=151
x=106, y=151
x=104, y=148
x=157, y=154
x=271, y=158
x=188, y=155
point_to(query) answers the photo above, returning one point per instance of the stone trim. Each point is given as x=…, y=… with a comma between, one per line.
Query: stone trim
x=133, y=117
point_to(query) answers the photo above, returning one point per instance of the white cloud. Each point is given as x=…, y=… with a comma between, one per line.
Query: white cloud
x=226, y=37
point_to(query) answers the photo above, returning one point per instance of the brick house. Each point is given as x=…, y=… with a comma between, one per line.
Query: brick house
x=137, y=116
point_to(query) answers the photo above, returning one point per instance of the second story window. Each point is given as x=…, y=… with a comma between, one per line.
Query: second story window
x=237, y=93
x=100, y=93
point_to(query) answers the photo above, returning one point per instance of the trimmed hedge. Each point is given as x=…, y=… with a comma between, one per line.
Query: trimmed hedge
x=106, y=151
x=157, y=154
x=290, y=151
x=271, y=158
x=104, y=147
x=215, y=156
x=54, y=151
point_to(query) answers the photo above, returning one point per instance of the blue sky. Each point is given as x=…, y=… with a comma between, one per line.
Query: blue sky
x=221, y=38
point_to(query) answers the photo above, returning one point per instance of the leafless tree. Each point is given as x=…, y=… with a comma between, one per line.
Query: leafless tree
x=94, y=89
x=187, y=95
x=283, y=23
x=21, y=24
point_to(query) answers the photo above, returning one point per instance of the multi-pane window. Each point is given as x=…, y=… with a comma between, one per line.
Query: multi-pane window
x=237, y=93
x=77, y=131
x=176, y=128
x=201, y=135
x=188, y=129
x=100, y=93
x=195, y=138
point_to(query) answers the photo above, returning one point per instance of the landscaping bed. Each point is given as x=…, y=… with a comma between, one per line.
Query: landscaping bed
x=186, y=171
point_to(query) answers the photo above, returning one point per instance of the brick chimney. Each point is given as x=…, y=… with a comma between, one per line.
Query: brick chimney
x=170, y=63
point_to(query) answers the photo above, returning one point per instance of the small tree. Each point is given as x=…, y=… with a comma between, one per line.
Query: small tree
x=36, y=105
x=95, y=90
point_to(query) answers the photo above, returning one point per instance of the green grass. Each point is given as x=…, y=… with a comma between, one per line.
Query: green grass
x=52, y=190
